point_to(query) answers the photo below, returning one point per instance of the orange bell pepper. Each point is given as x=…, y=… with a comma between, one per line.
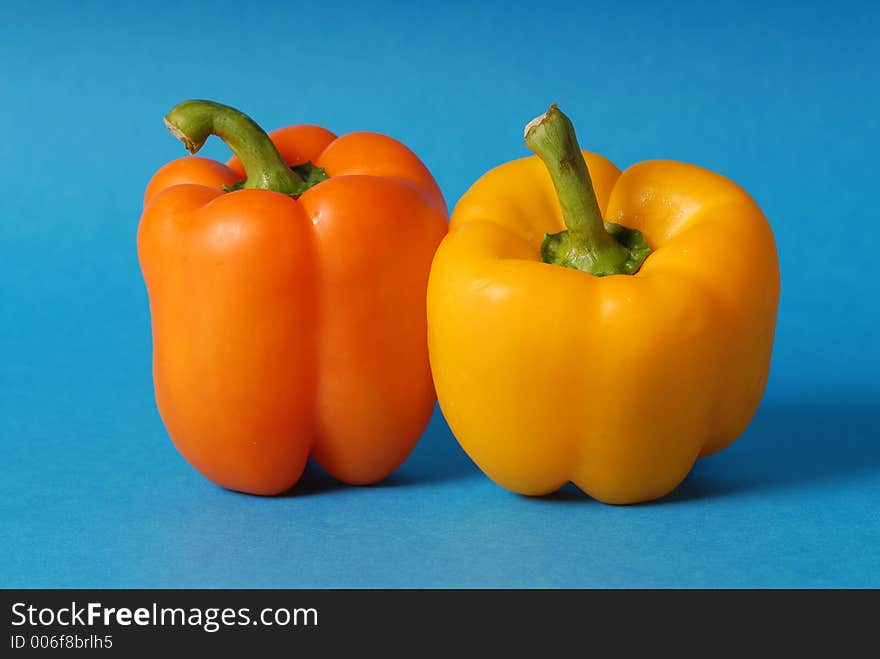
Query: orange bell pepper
x=608, y=354
x=288, y=309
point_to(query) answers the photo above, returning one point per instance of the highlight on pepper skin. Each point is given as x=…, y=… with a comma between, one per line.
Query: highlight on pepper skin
x=600, y=327
x=287, y=297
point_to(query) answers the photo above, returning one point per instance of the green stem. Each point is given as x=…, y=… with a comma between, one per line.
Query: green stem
x=192, y=122
x=588, y=243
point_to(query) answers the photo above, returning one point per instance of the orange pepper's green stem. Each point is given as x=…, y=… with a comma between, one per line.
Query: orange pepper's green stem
x=588, y=244
x=192, y=122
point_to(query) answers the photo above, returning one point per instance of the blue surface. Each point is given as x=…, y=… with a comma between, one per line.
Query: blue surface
x=782, y=98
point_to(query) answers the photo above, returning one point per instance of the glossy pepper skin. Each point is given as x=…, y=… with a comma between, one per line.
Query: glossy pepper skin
x=619, y=383
x=286, y=328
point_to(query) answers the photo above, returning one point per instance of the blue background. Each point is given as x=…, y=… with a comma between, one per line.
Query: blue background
x=782, y=98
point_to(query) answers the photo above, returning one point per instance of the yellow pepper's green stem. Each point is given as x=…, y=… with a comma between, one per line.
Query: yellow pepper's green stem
x=192, y=122
x=588, y=244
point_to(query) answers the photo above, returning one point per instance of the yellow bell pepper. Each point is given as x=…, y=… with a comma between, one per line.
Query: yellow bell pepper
x=569, y=349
